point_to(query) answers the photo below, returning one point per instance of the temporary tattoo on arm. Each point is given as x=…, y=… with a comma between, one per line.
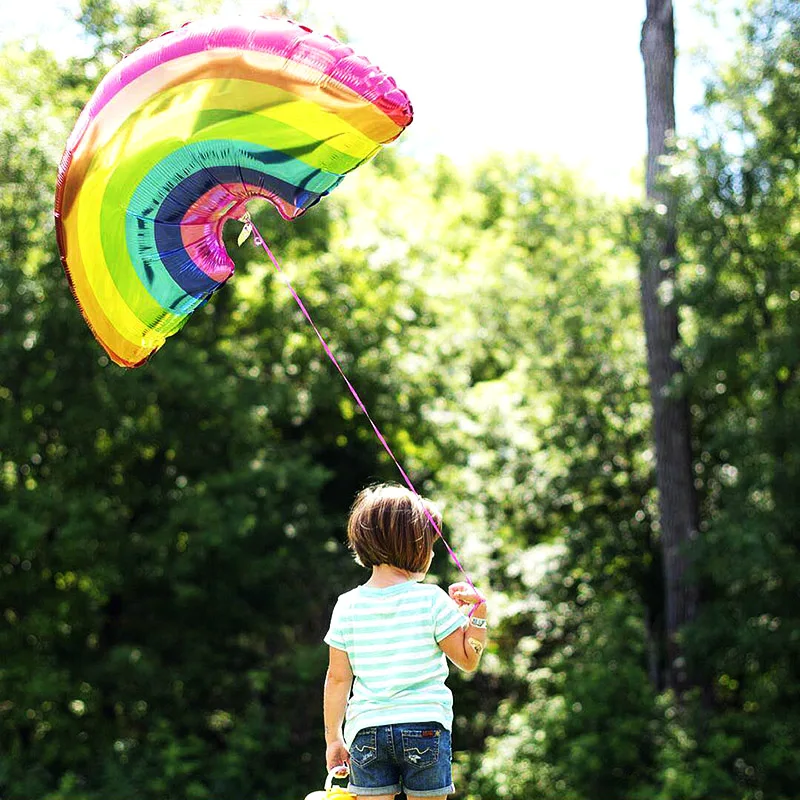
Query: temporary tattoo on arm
x=475, y=645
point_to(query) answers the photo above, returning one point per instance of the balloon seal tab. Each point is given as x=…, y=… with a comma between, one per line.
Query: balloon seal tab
x=247, y=228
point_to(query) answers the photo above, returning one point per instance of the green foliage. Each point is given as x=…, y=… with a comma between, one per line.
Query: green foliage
x=581, y=724
x=559, y=425
x=172, y=537
x=739, y=218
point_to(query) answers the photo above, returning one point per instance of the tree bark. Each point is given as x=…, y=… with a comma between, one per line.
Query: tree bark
x=671, y=418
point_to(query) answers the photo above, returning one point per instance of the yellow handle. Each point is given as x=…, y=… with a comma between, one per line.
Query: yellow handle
x=338, y=793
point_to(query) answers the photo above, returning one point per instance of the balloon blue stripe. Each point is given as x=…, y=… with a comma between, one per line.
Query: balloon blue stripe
x=165, y=194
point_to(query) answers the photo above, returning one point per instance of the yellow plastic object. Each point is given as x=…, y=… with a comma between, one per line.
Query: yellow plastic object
x=334, y=793
x=331, y=792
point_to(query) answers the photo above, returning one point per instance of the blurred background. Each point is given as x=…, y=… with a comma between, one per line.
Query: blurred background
x=172, y=538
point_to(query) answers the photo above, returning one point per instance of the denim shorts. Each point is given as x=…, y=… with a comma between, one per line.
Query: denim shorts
x=413, y=757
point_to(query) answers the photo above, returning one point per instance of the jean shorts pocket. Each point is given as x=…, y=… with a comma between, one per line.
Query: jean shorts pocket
x=421, y=746
x=365, y=746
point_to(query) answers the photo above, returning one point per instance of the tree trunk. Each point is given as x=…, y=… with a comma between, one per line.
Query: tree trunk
x=671, y=419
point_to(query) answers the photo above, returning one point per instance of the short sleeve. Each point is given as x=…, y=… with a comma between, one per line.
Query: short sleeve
x=446, y=616
x=336, y=635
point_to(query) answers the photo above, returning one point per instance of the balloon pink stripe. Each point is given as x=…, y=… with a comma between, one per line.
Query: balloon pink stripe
x=201, y=226
x=279, y=37
x=381, y=438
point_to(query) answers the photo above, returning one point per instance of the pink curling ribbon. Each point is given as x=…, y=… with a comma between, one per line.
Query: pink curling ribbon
x=259, y=239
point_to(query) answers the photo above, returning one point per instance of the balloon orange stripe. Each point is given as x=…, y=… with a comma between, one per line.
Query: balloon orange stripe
x=176, y=139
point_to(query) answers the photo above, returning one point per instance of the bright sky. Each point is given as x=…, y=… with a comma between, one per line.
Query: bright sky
x=560, y=78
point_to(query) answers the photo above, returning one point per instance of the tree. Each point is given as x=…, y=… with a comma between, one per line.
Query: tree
x=671, y=419
x=739, y=217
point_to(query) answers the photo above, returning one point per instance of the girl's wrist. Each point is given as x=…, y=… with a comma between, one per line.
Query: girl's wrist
x=333, y=735
x=478, y=609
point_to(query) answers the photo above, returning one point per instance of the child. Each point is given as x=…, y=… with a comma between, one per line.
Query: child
x=392, y=635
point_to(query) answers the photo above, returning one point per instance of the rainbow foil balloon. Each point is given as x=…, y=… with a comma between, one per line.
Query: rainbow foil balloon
x=174, y=142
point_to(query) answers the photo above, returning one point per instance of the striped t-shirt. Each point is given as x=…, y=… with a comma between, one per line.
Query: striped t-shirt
x=391, y=637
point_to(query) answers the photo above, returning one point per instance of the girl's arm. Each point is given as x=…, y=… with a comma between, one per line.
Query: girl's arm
x=464, y=646
x=338, y=681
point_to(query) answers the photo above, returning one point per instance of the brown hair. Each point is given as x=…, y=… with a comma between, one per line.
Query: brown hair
x=388, y=525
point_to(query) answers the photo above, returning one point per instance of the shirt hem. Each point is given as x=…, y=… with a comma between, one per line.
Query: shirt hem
x=444, y=718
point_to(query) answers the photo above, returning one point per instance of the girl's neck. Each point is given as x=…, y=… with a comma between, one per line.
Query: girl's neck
x=385, y=575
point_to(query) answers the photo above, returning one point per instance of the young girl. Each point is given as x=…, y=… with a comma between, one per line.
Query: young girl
x=392, y=635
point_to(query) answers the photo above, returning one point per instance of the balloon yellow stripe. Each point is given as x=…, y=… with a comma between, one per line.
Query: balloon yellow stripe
x=124, y=350
x=102, y=225
x=246, y=96
x=125, y=148
x=128, y=333
x=303, y=131
x=93, y=278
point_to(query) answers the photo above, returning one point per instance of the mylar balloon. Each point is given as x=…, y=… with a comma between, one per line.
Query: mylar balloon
x=178, y=137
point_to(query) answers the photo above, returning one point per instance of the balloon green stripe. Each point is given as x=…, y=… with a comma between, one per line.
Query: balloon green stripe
x=123, y=183
x=278, y=136
x=256, y=128
x=253, y=127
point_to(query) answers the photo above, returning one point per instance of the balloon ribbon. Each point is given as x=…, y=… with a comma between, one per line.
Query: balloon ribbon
x=249, y=226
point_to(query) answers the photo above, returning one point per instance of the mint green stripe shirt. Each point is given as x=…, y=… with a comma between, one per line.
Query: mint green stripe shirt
x=391, y=637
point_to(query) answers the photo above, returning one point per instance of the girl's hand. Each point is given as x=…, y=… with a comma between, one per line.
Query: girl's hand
x=464, y=594
x=336, y=755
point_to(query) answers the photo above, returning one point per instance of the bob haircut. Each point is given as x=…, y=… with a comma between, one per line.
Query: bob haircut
x=388, y=525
